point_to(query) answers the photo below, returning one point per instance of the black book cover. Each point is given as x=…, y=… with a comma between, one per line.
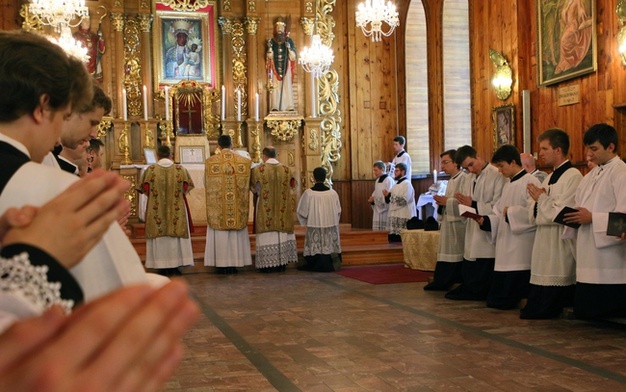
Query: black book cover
x=561, y=215
x=617, y=224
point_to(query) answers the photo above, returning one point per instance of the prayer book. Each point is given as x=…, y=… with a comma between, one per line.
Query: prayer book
x=468, y=212
x=617, y=224
x=559, y=218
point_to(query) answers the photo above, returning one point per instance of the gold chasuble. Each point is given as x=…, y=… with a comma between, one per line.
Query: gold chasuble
x=166, y=214
x=275, y=205
x=227, y=190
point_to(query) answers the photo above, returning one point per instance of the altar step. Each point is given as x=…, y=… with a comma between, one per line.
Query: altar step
x=358, y=246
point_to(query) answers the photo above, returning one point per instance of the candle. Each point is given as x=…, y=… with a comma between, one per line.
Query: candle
x=256, y=106
x=238, y=105
x=223, y=103
x=167, y=103
x=145, y=103
x=435, y=176
x=313, y=97
x=124, y=108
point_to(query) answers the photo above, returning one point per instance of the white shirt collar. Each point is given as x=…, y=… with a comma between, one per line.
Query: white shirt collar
x=272, y=161
x=14, y=143
x=165, y=162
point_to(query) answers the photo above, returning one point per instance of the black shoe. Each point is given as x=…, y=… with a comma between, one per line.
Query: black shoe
x=434, y=287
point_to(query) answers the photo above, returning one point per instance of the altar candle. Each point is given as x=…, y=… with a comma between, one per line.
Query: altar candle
x=256, y=106
x=223, y=103
x=238, y=105
x=124, y=109
x=145, y=103
x=167, y=103
x=435, y=176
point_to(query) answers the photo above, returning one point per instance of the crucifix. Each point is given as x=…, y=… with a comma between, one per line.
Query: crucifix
x=189, y=111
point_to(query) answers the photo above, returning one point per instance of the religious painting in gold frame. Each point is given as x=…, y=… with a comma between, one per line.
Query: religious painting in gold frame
x=566, y=34
x=503, y=119
x=184, y=45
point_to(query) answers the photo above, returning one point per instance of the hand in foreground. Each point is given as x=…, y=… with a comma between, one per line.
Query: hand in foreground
x=440, y=200
x=463, y=199
x=128, y=340
x=583, y=216
x=534, y=191
x=69, y=225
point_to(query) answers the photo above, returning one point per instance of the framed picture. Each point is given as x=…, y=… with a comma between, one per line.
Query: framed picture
x=503, y=118
x=150, y=156
x=191, y=154
x=566, y=32
x=184, y=45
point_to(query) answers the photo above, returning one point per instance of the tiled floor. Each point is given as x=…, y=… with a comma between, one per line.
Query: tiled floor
x=300, y=331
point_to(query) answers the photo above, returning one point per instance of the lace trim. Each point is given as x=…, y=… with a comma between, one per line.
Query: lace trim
x=19, y=275
x=396, y=224
x=322, y=241
x=275, y=255
x=397, y=200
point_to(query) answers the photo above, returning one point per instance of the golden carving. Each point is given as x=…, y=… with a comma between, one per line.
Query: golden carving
x=145, y=22
x=132, y=67
x=284, y=130
x=185, y=5
x=117, y=21
x=31, y=22
x=123, y=143
x=144, y=4
x=148, y=137
x=252, y=25
x=104, y=126
x=307, y=25
x=251, y=5
x=240, y=78
x=328, y=86
x=226, y=5
x=309, y=7
x=291, y=159
x=131, y=194
x=313, y=140
x=226, y=25
x=256, y=143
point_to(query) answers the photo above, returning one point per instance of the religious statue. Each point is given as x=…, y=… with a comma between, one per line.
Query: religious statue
x=281, y=67
x=94, y=42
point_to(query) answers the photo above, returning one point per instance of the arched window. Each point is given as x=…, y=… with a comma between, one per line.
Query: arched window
x=456, y=75
x=417, y=89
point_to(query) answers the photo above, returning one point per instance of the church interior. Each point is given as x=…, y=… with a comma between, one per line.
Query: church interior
x=448, y=75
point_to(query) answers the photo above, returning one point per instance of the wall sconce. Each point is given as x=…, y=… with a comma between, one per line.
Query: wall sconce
x=620, y=10
x=503, y=75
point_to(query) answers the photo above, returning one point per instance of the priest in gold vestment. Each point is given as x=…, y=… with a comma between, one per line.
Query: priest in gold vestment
x=273, y=183
x=168, y=242
x=227, y=183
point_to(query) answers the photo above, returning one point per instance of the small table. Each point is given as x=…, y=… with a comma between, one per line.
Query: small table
x=420, y=249
x=423, y=200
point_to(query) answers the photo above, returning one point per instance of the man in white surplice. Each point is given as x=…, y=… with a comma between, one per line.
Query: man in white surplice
x=513, y=238
x=319, y=210
x=479, y=253
x=600, y=266
x=168, y=238
x=401, y=200
x=452, y=231
x=29, y=131
x=380, y=207
x=227, y=184
x=553, y=266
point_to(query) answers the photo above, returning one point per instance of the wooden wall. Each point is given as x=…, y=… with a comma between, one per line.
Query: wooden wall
x=372, y=75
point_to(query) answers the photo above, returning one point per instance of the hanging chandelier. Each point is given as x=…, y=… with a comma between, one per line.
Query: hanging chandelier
x=318, y=58
x=374, y=13
x=59, y=13
x=70, y=45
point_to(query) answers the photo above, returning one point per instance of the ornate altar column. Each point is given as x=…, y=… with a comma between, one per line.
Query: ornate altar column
x=117, y=21
x=145, y=24
x=226, y=27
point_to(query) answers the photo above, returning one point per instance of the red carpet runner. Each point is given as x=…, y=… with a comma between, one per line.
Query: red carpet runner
x=384, y=274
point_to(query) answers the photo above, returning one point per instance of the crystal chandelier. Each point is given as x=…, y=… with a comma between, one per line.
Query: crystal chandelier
x=59, y=13
x=374, y=13
x=318, y=58
x=70, y=45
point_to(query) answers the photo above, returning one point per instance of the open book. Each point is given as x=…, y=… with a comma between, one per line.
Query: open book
x=468, y=212
x=559, y=218
x=617, y=224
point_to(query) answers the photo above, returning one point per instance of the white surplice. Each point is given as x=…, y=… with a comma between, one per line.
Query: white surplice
x=401, y=206
x=380, y=207
x=320, y=211
x=402, y=157
x=485, y=190
x=452, y=229
x=601, y=259
x=514, y=240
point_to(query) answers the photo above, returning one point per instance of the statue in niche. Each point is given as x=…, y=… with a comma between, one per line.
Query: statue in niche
x=281, y=67
x=94, y=42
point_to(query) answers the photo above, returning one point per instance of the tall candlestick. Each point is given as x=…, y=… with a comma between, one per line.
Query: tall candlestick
x=145, y=103
x=124, y=108
x=435, y=176
x=223, y=103
x=238, y=105
x=256, y=106
x=167, y=103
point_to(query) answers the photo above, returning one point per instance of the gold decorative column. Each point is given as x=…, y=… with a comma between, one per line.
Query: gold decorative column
x=227, y=69
x=311, y=95
x=145, y=25
x=117, y=21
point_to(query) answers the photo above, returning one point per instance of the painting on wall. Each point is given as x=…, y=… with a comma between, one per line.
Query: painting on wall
x=503, y=119
x=566, y=39
x=184, y=46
